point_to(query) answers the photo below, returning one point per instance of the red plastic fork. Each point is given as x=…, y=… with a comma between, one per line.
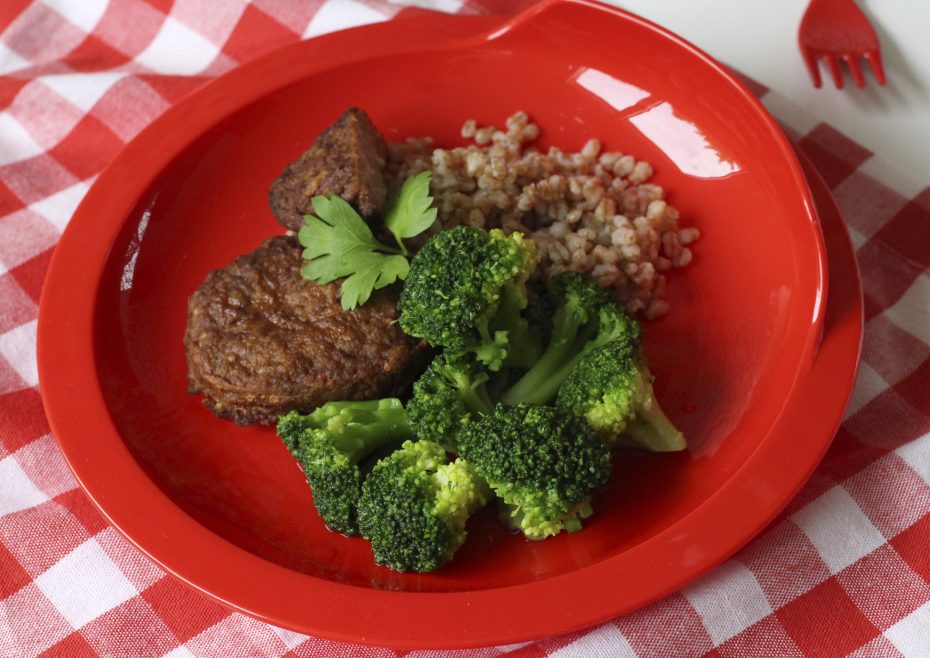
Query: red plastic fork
x=838, y=30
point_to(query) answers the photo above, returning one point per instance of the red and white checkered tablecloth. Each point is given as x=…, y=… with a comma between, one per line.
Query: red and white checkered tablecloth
x=845, y=570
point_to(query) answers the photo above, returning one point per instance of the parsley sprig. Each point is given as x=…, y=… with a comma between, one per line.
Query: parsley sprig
x=338, y=244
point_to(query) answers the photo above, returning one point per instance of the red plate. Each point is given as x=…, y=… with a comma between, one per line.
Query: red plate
x=739, y=361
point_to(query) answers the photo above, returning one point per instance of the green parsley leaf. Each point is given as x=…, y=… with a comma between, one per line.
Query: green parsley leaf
x=339, y=245
x=331, y=237
x=410, y=211
x=373, y=271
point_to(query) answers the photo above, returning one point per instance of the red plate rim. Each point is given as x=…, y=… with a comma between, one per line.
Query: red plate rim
x=117, y=485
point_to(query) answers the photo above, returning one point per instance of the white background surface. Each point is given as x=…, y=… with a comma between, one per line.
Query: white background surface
x=759, y=37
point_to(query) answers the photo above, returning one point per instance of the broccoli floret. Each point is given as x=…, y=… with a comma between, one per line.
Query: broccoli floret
x=611, y=388
x=415, y=504
x=290, y=428
x=465, y=292
x=523, y=345
x=542, y=462
x=582, y=319
x=330, y=445
x=292, y=425
x=447, y=396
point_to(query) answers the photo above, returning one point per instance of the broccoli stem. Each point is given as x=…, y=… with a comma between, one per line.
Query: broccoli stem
x=472, y=390
x=521, y=348
x=651, y=427
x=569, y=344
x=292, y=425
x=359, y=431
x=476, y=398
x=493, y=345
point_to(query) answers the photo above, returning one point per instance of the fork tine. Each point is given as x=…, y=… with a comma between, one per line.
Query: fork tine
x=810, y=58
x=875, y=59
x=852, y=61
x=834, y=65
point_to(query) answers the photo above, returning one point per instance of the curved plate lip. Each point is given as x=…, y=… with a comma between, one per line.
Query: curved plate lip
x=82, y=425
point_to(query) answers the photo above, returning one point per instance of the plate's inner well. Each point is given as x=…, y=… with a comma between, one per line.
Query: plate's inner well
x=724, y=357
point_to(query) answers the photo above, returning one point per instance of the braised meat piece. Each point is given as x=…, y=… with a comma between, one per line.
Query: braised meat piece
x=262, y=341
x=347, y=159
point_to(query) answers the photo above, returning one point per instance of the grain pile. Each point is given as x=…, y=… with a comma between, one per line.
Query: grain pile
x=590, y=211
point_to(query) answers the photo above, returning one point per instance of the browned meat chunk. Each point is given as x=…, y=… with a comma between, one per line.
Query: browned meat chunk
x=346, y=159
x=262, y=341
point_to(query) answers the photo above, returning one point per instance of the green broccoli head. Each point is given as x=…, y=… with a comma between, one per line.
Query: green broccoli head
x=330, y=444
x=576, y=316
x=614, y=324
x=543, y=463
x=465, y=289
x=415, y=504
x=611, y=388
x=571, y=297
x=292, y=425
x=447, y=396
x=568, y=301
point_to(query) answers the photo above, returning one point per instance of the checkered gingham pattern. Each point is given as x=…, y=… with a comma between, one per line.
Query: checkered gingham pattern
x=845, y=570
